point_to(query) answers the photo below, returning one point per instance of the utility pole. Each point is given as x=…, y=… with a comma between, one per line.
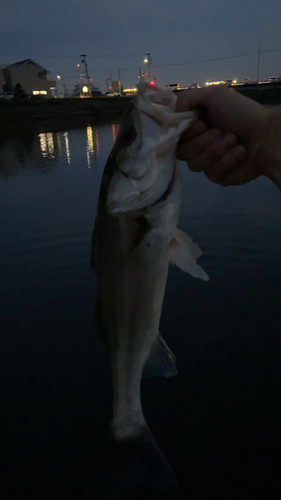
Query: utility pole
x=107, y=80
x=83, y=60
x=81, y=85
x=258, y=65
x=119, y=81
x=149, y=61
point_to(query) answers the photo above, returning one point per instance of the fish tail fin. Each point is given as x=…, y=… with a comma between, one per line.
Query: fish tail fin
x=136, y=464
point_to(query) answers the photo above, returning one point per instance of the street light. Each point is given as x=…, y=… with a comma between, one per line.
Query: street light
x=148, y=60
x=57, y=93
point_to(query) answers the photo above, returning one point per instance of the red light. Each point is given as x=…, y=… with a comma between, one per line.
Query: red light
x=152, y=83
x=91, y=79
x=110, y=87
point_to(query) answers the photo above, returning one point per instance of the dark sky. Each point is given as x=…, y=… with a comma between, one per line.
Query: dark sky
x=117, y=34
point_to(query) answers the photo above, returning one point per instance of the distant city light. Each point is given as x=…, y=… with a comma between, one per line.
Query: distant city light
x=130, y=91
x=85, y=88
x=145, y=60
x=58, y=77
x=219, y=82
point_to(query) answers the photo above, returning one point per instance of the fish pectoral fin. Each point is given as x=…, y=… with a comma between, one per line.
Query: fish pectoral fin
x=161, y=362
x=184, y=253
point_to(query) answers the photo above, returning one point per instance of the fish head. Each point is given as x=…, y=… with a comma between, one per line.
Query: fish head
x=145, y=150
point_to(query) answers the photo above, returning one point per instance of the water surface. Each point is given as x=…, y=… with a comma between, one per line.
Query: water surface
x=218, y=422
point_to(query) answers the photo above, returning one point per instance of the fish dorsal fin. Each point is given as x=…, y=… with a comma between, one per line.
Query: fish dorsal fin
x=184, y=253
x=161, y=362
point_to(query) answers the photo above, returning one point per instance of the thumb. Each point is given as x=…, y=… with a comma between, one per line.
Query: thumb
x=193, y=98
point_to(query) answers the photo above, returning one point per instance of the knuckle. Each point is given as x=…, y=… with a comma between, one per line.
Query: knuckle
x=201, y=142
x=219, y=148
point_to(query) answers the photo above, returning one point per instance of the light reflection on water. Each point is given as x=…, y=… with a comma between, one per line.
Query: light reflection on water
x=67, y=147
x=218, y=421
x=29, y=150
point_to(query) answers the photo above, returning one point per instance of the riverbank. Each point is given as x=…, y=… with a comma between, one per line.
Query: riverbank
x=60, y=113
x=264, y=96
x=41, y=114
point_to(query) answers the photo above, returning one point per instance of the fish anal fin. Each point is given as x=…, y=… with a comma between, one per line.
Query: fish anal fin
x=161, y=362
x=184, y=253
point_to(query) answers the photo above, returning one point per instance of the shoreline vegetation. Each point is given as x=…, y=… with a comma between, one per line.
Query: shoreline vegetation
x=41, y=114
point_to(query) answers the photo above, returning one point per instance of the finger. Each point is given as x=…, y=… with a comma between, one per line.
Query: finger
x=195, y=147
x=213, y=153
x=190, y=99
x=197, y=128
x=227, y=171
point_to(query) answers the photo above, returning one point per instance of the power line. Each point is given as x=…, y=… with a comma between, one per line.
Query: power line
x=75, y=75
x=199, y=61
x=193, y=62
x=138, y=55
x=76, y=56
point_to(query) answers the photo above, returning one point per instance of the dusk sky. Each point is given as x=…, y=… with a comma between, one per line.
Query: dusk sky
x=117, y=34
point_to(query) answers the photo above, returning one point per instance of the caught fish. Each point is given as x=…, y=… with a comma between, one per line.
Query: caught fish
x=134, y=240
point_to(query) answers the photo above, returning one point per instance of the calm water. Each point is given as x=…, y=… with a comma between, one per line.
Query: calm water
x=218, y=422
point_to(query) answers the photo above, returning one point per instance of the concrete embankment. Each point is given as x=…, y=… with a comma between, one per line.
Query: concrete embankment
x=41, y=113
x=60, y=113
x=264, y=94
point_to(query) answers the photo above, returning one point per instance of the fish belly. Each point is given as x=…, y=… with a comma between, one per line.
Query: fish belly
x=130, y=314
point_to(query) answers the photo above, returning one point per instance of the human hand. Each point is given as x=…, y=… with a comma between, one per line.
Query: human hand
x=230, y=140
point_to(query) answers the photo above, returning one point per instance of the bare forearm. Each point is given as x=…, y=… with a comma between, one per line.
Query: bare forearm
x=272, y=149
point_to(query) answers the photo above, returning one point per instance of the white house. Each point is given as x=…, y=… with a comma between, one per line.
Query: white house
x=30, y=75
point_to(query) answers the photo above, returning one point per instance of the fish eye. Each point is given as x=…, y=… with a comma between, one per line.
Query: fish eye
x=129, y=136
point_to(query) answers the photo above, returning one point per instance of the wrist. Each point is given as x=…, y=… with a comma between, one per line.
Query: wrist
x=271, y=156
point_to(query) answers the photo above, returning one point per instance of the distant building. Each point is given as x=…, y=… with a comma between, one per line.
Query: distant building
x=116, y=86
x=31, y=76
x=2, y=79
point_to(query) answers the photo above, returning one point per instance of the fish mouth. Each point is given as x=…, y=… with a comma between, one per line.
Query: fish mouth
x=145, y=172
